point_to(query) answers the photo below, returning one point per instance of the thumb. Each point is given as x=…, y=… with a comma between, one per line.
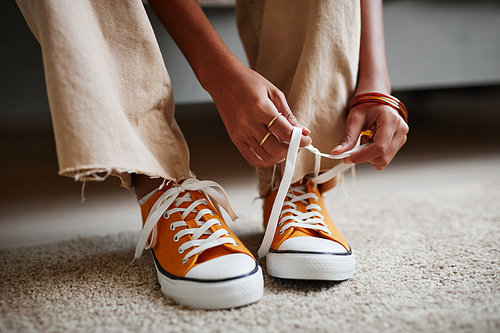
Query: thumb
x=352, y=131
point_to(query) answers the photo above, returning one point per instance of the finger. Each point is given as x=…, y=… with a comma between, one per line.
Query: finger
x=383, y=161
x=258, y=156
x=382, y=141
x=266, y=157
x=279, y=101
x=396, y=142
x=275, y=148
x=250, y=156
x=365, y=139
x=283, y=130
x=353, y=127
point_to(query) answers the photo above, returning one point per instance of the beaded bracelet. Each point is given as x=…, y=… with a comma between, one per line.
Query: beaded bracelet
x=381, y=99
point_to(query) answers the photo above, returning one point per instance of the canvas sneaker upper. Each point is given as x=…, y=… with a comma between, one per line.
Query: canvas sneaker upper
x=194, y=249
x=301, y=241
x=304, y=223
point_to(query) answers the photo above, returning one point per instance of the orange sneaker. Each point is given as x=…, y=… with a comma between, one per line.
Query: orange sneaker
x=199, y=261
x=306, y=244
x=301, y=241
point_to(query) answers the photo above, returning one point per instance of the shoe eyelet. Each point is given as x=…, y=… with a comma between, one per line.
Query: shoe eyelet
x=180, y=250
x=280, y=224
x=236, y=244
x=228, y=233
x=281, y=232
x=166, y=216
x=184, y=260
x=172, y=227
x=176, y=239
x=205, y=202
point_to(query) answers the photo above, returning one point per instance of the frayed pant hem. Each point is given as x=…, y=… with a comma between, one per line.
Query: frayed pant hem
x=100, y=174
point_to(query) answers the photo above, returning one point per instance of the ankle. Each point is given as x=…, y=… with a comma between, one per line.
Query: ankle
x=143, y=184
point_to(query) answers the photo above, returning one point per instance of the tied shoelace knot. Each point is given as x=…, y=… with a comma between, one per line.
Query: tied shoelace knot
x=171, y=202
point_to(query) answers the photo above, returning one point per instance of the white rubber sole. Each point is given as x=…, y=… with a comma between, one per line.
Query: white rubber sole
x=306, y=266
x=214, y=295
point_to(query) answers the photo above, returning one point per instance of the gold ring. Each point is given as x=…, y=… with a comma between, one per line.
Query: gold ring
x=265, y=138
x=272, y=121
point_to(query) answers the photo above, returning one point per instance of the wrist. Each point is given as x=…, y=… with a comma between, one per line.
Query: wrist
x=220, y=73
x=367, y=85
x=379, y=98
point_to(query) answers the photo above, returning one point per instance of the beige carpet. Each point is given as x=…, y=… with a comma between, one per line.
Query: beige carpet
x=426, y=262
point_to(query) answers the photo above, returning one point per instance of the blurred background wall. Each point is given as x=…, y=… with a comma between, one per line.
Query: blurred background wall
x=431, y=44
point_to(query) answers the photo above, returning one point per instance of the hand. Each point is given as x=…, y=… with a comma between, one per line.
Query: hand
x=389, y=134
x=247, y=102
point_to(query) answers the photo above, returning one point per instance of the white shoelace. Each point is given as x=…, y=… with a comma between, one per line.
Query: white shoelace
x=312, y=219
x=307, y=220
x=179, y=195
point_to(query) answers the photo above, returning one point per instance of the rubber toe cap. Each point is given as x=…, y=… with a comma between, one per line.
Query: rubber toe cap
x=311, y=244
x=225, y=267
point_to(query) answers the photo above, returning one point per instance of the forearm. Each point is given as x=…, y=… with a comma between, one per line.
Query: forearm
x=197, y=39
x=246, y=101
x=373, y=74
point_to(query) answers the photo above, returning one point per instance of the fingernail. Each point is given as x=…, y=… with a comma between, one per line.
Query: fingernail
x=336, y=149
x=347, y=161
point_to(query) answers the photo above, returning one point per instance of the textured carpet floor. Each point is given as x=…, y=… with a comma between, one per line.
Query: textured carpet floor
x=426, y=262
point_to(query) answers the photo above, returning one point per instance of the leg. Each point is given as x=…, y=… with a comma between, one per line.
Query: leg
x=113, y=114
x=109, y=92
x=144, y=185
x=310, y=50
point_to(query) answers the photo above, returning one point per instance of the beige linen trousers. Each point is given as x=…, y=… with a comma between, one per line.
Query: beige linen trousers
x=110, y=94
